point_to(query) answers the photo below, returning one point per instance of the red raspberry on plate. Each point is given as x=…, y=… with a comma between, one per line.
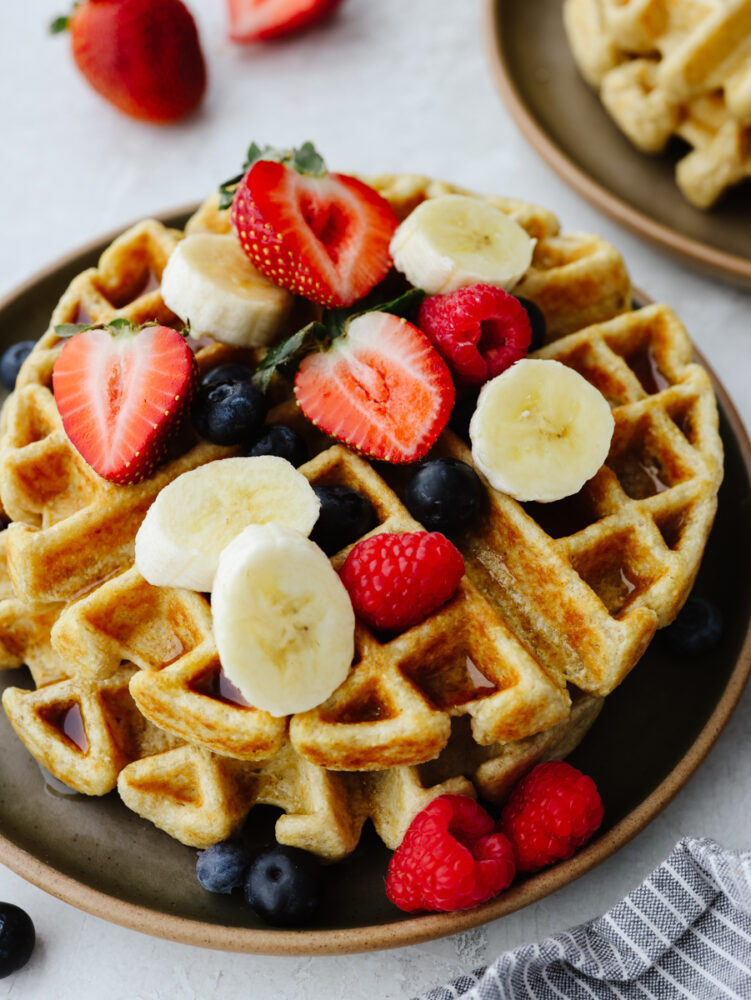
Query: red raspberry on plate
x=479, y=330
x=551, y=812
x=450, y=858
x=396, y=581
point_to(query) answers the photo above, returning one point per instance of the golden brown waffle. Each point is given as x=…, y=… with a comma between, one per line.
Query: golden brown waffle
x=201, y=798
x=673, y=67
x=71, y=529
x=556, y=606
x=25, y=631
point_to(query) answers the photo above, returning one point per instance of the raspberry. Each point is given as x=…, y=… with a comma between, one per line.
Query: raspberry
x=551, y=812
x=450, y=859
x=479, y=330
x=396, y=581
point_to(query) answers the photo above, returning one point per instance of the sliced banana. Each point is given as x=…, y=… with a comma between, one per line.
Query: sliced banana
x=455, y=240
x=199, y=513
x=540, y=430
x=209, y=282
x=283, y=622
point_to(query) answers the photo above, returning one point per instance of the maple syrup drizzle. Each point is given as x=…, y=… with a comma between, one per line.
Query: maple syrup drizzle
x=82, y=315
x=71, y=725
x=644, y=365
x=214, y=683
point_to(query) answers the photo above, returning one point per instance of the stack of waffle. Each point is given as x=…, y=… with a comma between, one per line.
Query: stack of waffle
x=673, y=68
x=558, y=602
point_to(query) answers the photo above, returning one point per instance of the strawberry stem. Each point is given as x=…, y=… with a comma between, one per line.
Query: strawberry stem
x=305, y=160
x=319, y=334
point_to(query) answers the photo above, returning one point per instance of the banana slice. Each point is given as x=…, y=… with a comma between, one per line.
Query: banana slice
x=199, y=513
x=454, y=240
x=283, y=622
x=210, y=282
x=540, y=431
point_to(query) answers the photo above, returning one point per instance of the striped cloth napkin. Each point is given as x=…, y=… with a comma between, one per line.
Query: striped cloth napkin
x=684, y=933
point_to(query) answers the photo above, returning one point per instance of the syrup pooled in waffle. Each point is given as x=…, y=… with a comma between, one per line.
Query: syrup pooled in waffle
x=673, y=67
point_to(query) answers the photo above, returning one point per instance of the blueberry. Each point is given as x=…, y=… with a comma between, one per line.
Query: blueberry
x=223, y=867
x=536, y=321
x=284, y=886
x=11, y=361
x=696, y=629
x=345, y=516
x=444, y=494
x=17, y=938
x=277, y=439
x=228, y=412
x=227, y=373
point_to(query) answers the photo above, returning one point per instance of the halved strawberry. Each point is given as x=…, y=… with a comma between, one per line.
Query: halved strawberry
x=121, y=392
x=259, y=20
x=381, y=387
x=324, y=236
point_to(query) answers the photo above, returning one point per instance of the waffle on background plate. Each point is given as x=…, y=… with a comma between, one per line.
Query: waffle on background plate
x=667, y=68
x=558, y=602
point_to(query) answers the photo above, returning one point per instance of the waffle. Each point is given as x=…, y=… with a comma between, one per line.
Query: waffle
x=71, y=529
x=558, y=602
x=673, y=68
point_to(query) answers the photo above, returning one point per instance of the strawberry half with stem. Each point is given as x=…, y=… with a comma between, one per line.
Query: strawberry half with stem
x=381, y=387
x=261, y=20
x=323, y=236
x=121, y=392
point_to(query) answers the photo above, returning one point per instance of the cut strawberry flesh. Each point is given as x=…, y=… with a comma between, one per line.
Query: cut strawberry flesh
x=119, y=396
x=326, y=238
x=381, y=388
x=252, y=20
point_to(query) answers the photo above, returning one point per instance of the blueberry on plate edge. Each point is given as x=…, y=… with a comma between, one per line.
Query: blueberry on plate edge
x=223, y=866
x=11, y=361
x=696, y=628
x=17, y=938
x=284, y=886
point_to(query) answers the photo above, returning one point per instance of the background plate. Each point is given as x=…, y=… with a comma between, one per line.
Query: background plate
x=564, y=120
x=653, y=733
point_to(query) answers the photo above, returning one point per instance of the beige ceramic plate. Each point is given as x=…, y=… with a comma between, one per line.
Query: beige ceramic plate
x=100, y=857
x=563, y=119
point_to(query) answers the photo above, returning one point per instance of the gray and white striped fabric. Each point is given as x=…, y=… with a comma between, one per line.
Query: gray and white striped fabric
x=684, y=933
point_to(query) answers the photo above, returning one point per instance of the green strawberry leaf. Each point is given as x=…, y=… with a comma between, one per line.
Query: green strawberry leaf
x=305, y=160
x=66, y=330
x=117, y=325
x=320, y=333
x=289, y=350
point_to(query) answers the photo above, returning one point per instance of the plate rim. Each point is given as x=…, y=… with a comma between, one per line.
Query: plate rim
x=411, y=930
x=721, y=263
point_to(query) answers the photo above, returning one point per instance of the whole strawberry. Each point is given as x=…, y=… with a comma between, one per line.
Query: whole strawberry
x=450, y=858
x=551, y=812
x=144, y=56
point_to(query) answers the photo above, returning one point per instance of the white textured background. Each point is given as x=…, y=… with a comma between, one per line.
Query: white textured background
x=392, y=85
